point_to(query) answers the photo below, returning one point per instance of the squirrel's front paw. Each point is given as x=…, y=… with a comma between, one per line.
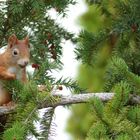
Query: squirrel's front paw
x=11, y=76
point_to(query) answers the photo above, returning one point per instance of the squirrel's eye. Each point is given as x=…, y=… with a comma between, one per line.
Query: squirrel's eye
x=15, y=52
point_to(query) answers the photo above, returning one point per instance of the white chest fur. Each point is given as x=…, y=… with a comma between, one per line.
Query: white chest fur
x=16, y=71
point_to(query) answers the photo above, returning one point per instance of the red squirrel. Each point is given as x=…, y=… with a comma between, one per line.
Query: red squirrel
x=13, y=64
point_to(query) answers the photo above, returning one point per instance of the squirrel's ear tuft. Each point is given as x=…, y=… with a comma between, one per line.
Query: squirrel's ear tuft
x=26, y=40
x=12, y=40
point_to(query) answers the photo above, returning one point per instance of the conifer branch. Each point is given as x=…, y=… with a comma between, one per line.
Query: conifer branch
x=84, y=98
x=74, y=99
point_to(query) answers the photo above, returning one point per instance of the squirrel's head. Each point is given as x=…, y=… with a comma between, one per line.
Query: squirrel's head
x=19, y=50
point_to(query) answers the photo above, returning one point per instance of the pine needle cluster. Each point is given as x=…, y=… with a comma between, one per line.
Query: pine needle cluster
x=110, y=46
x=30, y=17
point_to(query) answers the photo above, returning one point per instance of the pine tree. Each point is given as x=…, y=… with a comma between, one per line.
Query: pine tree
x=30, y=17
x=109, y=50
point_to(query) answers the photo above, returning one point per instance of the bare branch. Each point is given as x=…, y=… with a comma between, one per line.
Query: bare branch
x=6, y=110
x=84, y=98
x=73, y=99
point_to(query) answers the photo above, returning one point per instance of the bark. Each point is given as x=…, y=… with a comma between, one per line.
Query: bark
x=73, y=99
x=76, y=99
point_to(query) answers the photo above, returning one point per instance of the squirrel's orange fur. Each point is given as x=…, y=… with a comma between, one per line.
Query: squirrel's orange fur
x=13, y=64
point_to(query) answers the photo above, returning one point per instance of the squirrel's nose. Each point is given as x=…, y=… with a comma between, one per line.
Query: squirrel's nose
x=23, y=62
x=26, y=63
